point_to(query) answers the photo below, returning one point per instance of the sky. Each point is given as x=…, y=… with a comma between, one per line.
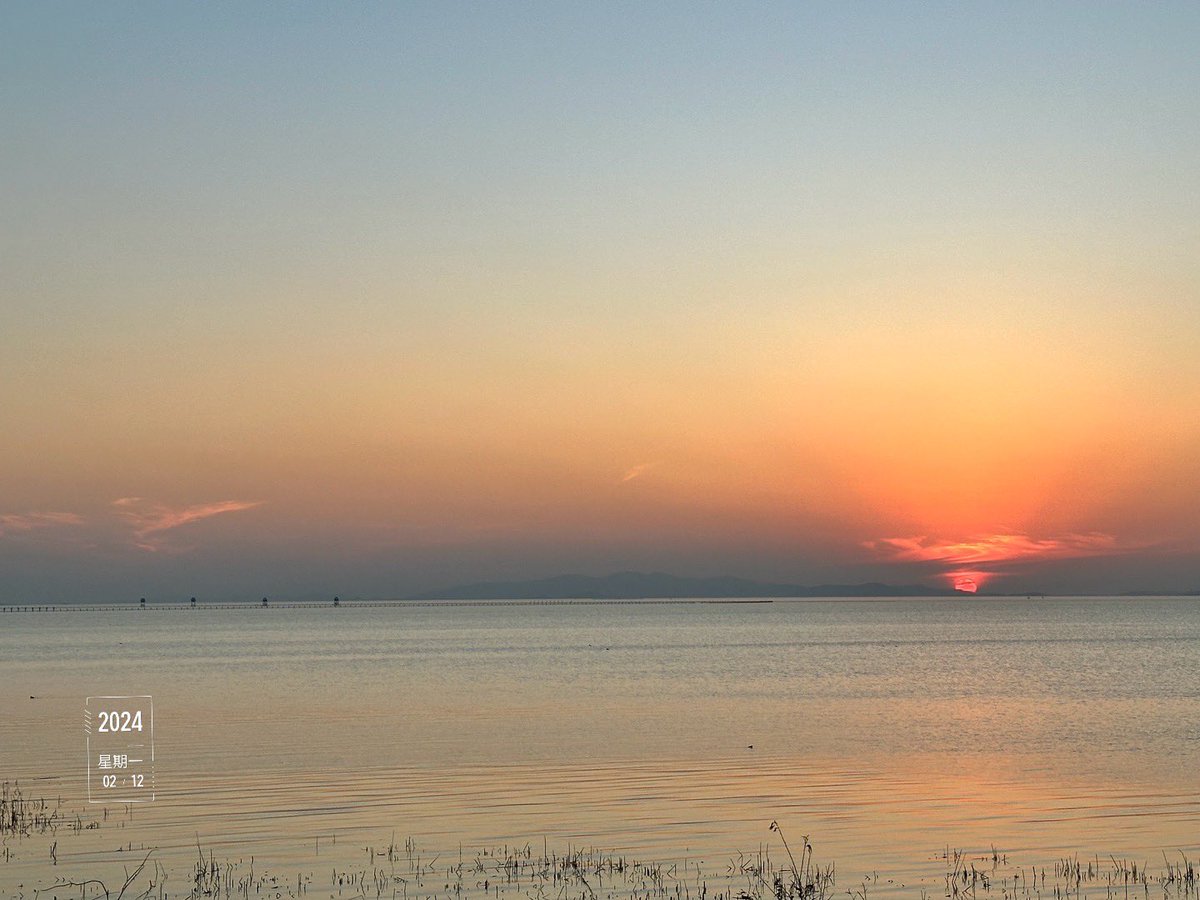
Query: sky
x=371, y=299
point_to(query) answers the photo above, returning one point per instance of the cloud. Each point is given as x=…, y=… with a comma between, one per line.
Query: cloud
x=637, y=471
x=150, y=521
x=977, y=558
x=21, y=522
x=996, y=548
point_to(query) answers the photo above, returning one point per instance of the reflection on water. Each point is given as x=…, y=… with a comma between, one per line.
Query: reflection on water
x=886, y=731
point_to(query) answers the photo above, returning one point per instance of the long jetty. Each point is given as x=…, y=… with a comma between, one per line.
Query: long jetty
x=343, y=604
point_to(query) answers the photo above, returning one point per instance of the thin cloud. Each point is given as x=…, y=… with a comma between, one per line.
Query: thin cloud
x=637, y=471
x=151, y=521
x=996, y=548
x=11, y=523
x=973, y=562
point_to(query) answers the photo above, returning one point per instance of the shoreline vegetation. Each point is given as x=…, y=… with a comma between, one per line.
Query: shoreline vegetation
x=779, y=869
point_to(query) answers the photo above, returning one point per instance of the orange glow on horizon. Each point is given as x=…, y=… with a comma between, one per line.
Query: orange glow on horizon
x=968, y=582
x=989, y=552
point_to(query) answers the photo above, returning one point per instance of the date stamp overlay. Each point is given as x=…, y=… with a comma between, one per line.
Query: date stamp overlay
x=119, y=733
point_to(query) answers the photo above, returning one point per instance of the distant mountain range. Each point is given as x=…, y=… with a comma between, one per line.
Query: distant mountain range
x=659, y=585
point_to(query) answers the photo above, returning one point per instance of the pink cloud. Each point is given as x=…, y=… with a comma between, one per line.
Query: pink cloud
x=22, y=522
x=150, y=521
x=977, y=559
x=996, y=548
x=637, y=471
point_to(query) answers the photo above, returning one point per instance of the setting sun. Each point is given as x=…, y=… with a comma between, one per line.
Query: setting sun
x=966, y=584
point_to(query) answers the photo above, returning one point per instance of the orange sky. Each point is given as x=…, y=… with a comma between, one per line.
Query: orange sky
x=371, y=328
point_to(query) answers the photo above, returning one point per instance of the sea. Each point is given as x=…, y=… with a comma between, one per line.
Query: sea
x=889, y=736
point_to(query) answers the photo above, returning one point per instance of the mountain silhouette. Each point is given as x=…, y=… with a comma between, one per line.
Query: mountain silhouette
x=660, y=585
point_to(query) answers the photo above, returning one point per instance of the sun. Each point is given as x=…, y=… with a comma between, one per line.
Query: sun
x=967, y=581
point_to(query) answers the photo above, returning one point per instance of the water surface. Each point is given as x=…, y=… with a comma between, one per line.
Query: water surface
x=886, y=730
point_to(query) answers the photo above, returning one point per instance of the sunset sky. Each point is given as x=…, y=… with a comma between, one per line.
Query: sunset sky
x=368, y=299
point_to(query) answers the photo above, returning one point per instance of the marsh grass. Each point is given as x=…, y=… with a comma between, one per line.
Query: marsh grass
x=782, y=868
x=405, y=872
x=1070, y=878
x=22, y=816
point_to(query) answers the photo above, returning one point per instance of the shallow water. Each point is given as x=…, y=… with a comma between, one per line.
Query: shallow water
x=886, y=730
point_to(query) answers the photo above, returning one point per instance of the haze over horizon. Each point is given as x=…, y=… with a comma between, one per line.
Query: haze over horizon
x=375, y=300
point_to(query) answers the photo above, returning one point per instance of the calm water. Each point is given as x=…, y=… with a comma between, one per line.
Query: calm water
x=885, y=730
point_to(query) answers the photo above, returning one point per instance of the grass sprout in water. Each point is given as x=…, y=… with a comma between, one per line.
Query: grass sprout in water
x=404, y=873
x=782, y=869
